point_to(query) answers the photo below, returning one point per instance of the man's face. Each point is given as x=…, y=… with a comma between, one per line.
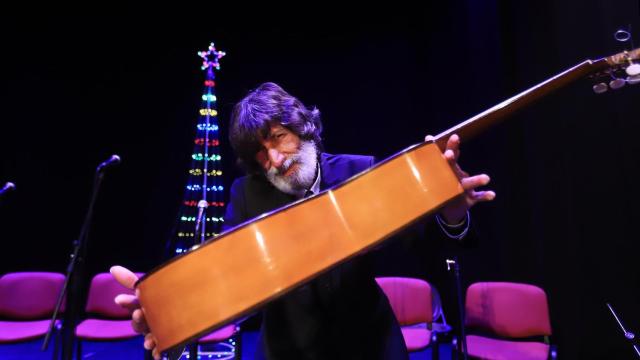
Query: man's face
x=278, y=147
x=288, y=162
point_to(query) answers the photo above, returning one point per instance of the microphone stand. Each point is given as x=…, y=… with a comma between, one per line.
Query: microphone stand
x=463, y=335
x=199, y=238
x=73, y=280
x=627, y=334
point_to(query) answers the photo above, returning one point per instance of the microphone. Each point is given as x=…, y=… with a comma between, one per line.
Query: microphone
x=9, y=186
x=113, y=160
x=202, y=205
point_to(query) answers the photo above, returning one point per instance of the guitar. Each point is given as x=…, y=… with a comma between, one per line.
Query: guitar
x=260, y=260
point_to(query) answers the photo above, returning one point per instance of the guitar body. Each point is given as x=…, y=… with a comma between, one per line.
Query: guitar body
x=261, y=260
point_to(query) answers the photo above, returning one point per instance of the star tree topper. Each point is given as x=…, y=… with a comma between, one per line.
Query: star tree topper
x=211, y=57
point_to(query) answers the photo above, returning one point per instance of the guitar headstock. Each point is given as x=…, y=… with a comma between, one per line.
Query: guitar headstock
x=621, y=69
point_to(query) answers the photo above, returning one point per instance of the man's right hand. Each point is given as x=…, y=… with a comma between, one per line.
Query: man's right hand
x=128, y=279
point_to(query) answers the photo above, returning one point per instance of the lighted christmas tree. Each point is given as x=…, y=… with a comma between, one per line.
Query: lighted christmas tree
x=201, y=212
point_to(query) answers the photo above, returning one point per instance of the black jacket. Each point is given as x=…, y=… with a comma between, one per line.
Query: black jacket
x=342, y=314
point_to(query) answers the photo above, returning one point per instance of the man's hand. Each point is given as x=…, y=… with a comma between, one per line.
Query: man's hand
x=128, y=279
x=456, y=210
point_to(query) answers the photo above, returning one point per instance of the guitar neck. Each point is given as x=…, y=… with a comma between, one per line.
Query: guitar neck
x=494, y=115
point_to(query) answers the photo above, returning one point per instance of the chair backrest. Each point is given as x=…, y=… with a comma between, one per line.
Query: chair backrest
x=102, y=292
x=29, y=295
x=410, y=299
x=508, y=309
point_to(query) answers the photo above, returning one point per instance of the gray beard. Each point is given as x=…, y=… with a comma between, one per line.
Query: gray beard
x=303, y=178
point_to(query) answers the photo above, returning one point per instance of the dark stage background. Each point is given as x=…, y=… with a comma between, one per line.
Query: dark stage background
x=75, y=90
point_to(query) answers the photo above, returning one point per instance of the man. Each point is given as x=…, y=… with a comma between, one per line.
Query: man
x=342, y=314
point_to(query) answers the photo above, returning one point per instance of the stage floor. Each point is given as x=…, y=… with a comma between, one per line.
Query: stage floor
x=132, y=349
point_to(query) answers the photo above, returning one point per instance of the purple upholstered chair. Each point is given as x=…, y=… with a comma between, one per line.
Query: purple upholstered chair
x=27, y=301
x=220, y=334
x=224, y=350
x=111, y=322
x=508, y=319
x=411, y=301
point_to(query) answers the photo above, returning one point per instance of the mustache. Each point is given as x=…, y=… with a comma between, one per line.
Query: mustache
x=286, y=165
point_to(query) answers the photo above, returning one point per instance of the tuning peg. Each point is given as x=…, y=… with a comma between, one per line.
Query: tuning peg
x=616, y=84
x=600, y=88
x=633, y=70
x=632, y=80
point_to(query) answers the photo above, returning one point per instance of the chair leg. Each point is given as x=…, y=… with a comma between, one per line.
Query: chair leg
x=56, y=344
x=454, y=348
x=193, y=351
x=147, y=355
x=435, y=351
x=237, y=352
x=78, y=349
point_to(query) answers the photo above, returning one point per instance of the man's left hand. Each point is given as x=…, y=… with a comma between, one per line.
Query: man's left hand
x=455, y=211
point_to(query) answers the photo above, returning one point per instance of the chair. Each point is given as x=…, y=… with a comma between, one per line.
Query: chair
x=27, y=301
x=508, y=321
x=411, y=301
x=112, y=322
x=224, y=350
